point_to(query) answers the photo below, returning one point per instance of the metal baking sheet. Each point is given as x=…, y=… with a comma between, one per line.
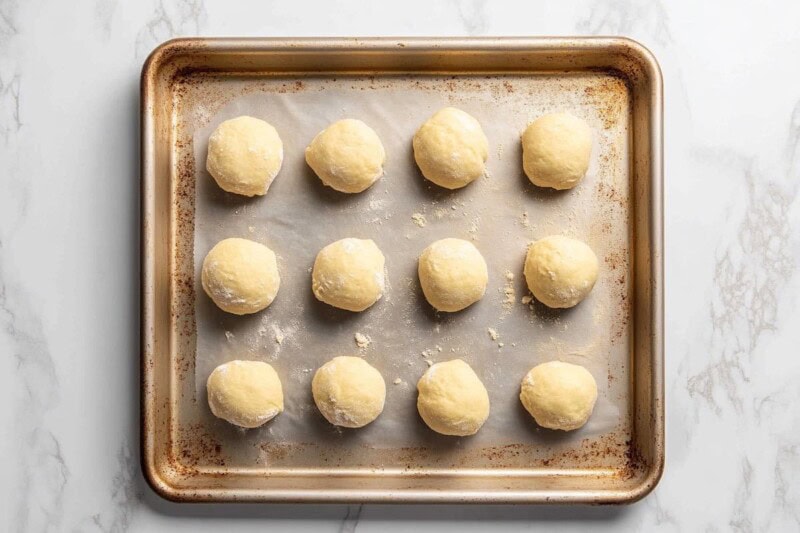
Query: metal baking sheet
x=300, y=86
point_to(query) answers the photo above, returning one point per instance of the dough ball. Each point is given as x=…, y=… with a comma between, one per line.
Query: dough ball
x=244, y=155
x=453, y=274
x=347, y=156
x=451, y=149
x=348, y=392
x=245, y=393
x=452, y=400
x=241, y=276
x=349, y=274
x=560, y=271
x=559, y=395
x=555, y=150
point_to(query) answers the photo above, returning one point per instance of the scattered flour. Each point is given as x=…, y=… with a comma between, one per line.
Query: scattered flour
x=509, y=295
x=279, y=336
x=419, y=219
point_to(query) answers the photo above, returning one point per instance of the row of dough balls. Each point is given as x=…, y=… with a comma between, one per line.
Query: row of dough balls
x=241, y=276
x=452, y=400
x=245, y=154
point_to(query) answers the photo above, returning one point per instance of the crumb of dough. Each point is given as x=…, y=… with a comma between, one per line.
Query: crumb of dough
x=362, y=340
x=419, y=219
x=493, y=334
x=509, y=275
x=439, y=348
x=500, y=344
x=397, y=381
x=527, y=299
x=430, y=363
x=228, y=335
x=306, y=370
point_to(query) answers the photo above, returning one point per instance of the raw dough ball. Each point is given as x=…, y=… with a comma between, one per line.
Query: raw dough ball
x=453, y=274
x=241, y=276
x=348, y=274
x=452, y=400
x=348, y=392
x=451, y=148
x=556, y=150
x=347, y=156
x=245, y=393
x=244, y=155
x=560, y=271
x=559, y=395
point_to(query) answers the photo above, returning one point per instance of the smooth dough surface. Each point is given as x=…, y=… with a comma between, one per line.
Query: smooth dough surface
x=241, y=276
x=555, y=150
x=349, y=274
x=245, y=393
x=452, y=400
x=451, y=149
x=560, y=271
x=349, y=392
x=559, y=395
x=453, y=274
x=347, y=156
x=244, y=155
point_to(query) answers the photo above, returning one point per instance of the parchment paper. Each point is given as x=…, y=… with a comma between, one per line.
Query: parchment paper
x=500, y=214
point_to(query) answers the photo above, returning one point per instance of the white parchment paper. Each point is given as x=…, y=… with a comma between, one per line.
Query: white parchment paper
x=500, y=337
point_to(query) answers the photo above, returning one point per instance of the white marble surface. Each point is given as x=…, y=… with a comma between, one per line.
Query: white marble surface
x=69, y=74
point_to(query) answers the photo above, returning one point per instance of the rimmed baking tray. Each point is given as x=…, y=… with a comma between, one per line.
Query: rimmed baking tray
x=190, y=85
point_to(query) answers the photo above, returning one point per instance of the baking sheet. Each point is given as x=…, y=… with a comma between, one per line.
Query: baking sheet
x=403, y=213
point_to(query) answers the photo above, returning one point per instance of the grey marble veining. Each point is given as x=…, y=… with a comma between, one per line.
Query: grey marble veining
x=68, y=259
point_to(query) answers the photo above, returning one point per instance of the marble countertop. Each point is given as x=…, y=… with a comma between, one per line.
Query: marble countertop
x=69, y=75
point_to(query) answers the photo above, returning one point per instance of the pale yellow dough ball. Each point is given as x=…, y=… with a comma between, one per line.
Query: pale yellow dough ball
x=245, y=393
x=453, y=274
x=349, y=274
x=244, y=155
x=556, y=149
x=349, y=392
x=347, y=156
x=452, y=400
x=560, y=271
x=559, y=395
x=241, y=276
x=451, y=149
